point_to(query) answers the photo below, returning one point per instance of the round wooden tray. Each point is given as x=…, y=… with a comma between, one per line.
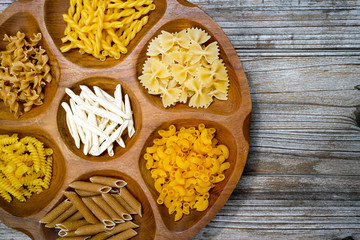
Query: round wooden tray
x=47, y=122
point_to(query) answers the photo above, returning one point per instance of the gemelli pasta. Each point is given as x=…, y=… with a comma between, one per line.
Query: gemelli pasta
x=104, y=28
x=180, y=66
x=24, y=72
x=25, y=167
x=185, y=164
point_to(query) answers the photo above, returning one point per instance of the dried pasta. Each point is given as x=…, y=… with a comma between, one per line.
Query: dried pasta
x=101, y=216
x=185, y=164
x=25, y=168
x=104, y=28
x=180, y=66
x=24, y=72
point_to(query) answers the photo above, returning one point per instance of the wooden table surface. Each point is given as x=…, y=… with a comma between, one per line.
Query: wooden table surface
x=302, y=177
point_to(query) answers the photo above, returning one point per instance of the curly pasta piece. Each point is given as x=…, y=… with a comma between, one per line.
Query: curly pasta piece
x=24, y=71
x=25, y=165
x=185, y=164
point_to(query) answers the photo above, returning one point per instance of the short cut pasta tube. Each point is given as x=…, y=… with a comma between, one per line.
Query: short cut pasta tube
x=124, y=204
x=98, y=212
x=122, y=227
x=108, y=181
x=106, y=208
x=131, y=200
x=53, y=214
x=71, y=226
x=74, y=238
x=75, y=199
x=62, y=217
x=90, y=187
x=83, y=193
x=77, y=216
x=92, y=229
x=124, y=235
x=114, y=204
x=100, y=236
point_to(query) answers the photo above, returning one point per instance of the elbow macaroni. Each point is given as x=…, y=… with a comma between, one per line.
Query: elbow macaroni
x=185, y=165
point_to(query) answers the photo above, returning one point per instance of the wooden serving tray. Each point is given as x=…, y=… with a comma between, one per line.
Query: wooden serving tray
x=47, y=122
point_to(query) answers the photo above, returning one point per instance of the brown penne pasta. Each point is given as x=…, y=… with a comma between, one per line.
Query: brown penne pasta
x=98, y=212
x=114, y=204
x=124, y=235
x=92, y=229
x=71, y=225
x=90, y=187
x=114, y=191
x=74, y=238
x=54, y=213
x=82, y=193
x=77, y=216
x=62, y=217
x=100, y=236
x=108, y=181
x=131, y=200
x=122, y=227
x=124, y=204
x=106, y=208
x=75, y=199
x=63, y=233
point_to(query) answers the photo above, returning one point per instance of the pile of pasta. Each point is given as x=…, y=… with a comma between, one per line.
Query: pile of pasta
x=181, y=66
x=24, y=72
x=99, y=209
x=104, y=27
x=98, y=119
x=26, y=167
x=185, y=165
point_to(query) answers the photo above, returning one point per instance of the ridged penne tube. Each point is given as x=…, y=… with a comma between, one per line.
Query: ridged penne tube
x=59, y=209
x=74, y=238
x=77, y=216
x=124, y=204
x=124, y=235
x=131, y=200
x=98, y=212
x=63, y=233
x=72, y=225
x=92, y=229
x=106, y=208
x=100, y=236
x=90, y=187
x=114, y=204
x=122, y=227
x=71, y=124
x=74, y=198
x=62, y=217
x=83, y=193
x=108, y=181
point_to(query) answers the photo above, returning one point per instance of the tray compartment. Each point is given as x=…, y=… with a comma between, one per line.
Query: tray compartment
x=188, y=221
x=54, y=9
x=37, y=201
x=147, y=225
x=26, y=23
x=108, y=85
x=220, y=107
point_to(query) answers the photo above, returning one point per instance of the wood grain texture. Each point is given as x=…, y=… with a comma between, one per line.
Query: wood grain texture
x=301, y=180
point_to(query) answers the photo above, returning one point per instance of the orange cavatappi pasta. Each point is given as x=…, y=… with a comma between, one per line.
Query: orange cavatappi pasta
x=26, y=171
x=185, y=164
x=104, y=28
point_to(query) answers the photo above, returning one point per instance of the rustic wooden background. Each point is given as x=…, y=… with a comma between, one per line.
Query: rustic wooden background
x=302, y=178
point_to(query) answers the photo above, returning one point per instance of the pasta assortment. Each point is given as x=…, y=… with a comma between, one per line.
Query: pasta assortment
x=25, y=167
x=24, y=72
x=98, y=120
x=99, y=216
x=185, y=164
x=179, y=66
x=104, y=27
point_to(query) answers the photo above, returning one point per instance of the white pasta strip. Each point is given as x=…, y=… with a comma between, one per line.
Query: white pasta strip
x=98, y=120
x=103, y=102
x=71, y=124
x=96, y=110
